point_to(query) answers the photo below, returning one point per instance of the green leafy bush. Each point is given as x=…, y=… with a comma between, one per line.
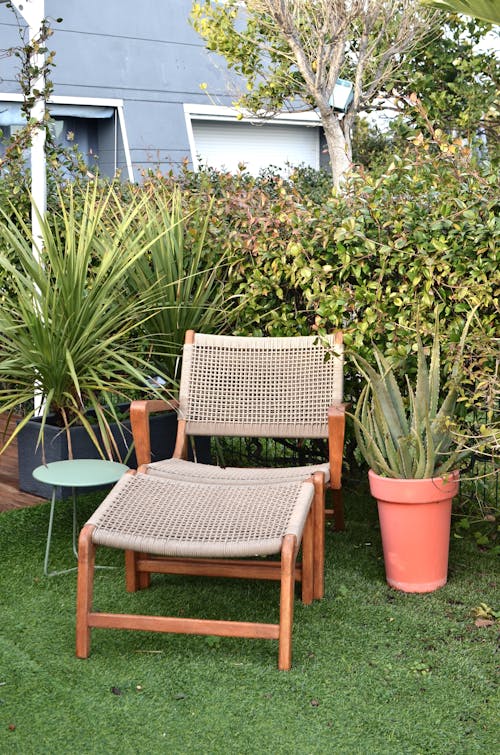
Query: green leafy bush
x=422, y=236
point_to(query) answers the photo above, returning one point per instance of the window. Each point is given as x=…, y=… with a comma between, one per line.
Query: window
x=96, y=126
x=220, y=139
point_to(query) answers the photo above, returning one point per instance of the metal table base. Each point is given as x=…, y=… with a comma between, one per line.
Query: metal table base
x=75, y=473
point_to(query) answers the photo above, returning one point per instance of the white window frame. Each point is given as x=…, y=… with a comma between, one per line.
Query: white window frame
x=89, y=102
x=216, y=113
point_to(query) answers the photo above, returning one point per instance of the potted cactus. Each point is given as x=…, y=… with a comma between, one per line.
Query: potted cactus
x=409, y=441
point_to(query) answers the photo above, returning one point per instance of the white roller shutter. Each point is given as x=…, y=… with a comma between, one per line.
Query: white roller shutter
x=225, y=145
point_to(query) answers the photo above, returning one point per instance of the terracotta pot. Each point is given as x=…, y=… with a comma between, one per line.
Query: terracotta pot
x=415, y=518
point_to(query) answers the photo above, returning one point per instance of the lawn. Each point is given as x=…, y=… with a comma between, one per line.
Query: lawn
x=374, y=670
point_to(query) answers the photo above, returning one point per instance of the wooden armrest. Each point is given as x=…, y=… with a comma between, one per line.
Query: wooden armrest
x=139, y=420
x=336, y=432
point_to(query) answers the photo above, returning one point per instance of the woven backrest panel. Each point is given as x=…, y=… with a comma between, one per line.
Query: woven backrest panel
x=268, y=387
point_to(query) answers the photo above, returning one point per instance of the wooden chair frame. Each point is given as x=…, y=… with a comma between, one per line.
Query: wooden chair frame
x=140, y=566
x=287, y=570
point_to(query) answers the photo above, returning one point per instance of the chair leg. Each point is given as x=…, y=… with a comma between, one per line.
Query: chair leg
x=308, y=546
x=131, y=575
x=319, y=535
x=288, y=556
x=135, y=579
x=84, y=590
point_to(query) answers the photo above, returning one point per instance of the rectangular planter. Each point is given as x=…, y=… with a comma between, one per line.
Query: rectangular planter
x=163, y=428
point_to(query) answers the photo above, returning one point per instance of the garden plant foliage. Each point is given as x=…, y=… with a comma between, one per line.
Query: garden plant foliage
x=298, y=256
x=423, y=235
x=301, y=256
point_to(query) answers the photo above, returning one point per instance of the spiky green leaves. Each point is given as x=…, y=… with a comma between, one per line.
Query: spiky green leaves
x=409, y=436
x=192, y=291
x=69, y=329
x=488, y=10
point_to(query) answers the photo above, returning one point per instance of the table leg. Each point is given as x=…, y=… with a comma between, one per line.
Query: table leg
x=49, y=534
x=75, y=528
x=46, y=571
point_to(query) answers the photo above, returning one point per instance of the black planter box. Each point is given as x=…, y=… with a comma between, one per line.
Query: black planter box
x=163, y=428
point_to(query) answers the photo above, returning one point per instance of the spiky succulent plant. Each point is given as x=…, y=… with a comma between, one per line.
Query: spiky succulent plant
x=412, y=436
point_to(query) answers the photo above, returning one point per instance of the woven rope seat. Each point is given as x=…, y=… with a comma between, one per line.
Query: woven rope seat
x=178, y=518
x=179, y=469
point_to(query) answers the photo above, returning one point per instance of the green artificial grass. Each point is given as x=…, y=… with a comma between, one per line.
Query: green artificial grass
x=374, y=670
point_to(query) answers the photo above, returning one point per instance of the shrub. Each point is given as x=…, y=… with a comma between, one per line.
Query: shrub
x=425, y=234
x=300, y=257
x=422, y=236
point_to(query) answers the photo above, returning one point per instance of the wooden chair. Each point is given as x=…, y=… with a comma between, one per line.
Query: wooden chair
x=180, y=517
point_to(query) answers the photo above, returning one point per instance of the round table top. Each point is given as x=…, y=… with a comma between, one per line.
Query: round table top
x=80, y=473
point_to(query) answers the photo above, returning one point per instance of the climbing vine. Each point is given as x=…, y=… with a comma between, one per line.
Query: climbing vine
x=12, y=163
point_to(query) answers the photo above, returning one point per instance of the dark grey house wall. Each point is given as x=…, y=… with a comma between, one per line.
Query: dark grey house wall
x=141, y=51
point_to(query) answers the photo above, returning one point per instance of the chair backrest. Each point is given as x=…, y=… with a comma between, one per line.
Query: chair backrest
x=267, y=387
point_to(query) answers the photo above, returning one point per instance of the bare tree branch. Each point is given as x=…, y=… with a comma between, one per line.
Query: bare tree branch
x=320, y=40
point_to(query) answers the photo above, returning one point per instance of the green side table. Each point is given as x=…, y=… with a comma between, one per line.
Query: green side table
x=74, y=473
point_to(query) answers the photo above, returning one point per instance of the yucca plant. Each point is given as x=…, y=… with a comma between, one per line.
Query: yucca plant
x=68, y=332
x=412, y=436
x=190, y=289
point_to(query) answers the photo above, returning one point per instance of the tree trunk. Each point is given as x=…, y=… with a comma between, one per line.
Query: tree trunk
x=339, y=148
